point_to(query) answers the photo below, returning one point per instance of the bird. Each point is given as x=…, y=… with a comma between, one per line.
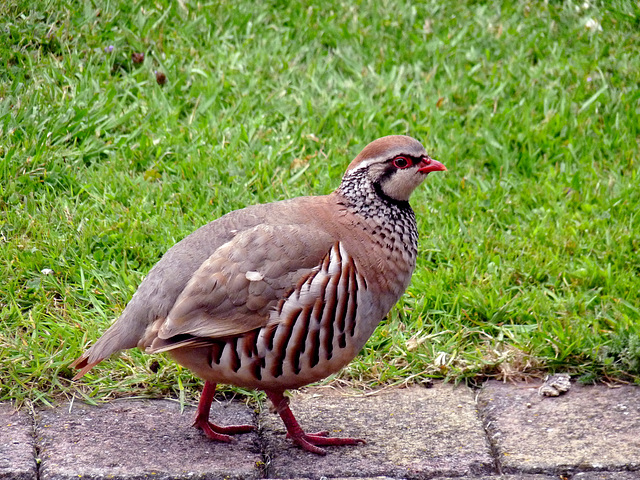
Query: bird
x=276, y=296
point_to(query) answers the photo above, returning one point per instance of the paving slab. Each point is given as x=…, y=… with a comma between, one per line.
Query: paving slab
x=17, y=445
x=413, y=432
x=588, y=428
x=525, y=476
x=142, y=439
x=606, y=476
x=482, y=477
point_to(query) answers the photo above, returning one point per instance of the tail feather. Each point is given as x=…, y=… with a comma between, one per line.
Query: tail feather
x=124, y=334
x=84, y=365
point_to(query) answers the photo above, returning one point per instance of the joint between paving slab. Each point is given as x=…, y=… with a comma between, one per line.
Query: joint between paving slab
x=36, y=444
x=34, y=440
x=37, y=450
x=266, y=469
x=494, y=451
x=263, y=467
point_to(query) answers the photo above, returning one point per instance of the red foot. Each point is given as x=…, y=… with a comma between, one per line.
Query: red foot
x=308, y=441
x=211, y=430
x=216, y=432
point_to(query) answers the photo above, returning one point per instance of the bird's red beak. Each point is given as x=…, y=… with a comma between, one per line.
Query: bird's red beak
x=428, y=164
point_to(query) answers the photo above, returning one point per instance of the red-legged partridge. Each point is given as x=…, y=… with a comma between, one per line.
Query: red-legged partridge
x=276, y=296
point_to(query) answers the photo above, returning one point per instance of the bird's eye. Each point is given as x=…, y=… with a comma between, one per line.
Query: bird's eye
x=401, y=162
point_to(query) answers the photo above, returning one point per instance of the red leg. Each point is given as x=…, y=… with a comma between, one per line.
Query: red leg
x=214, y=432
x=308, y=441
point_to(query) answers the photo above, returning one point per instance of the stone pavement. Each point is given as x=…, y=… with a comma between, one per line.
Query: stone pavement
x=502, y=431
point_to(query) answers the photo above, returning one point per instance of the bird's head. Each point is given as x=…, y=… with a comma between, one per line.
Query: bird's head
x=395, y=166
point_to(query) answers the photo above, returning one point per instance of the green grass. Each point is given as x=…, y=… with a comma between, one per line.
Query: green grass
x=530, y=245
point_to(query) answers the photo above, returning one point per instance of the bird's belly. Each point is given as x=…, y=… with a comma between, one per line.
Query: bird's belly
x=288, y=354
x=237, y=362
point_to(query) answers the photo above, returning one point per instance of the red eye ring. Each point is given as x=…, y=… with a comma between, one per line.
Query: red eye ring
x=402, y=162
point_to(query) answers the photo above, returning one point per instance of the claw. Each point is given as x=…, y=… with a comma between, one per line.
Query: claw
x=310, y=441
x=209, y=430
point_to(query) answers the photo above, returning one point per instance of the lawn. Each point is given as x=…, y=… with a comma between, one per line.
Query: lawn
x=529, y=260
